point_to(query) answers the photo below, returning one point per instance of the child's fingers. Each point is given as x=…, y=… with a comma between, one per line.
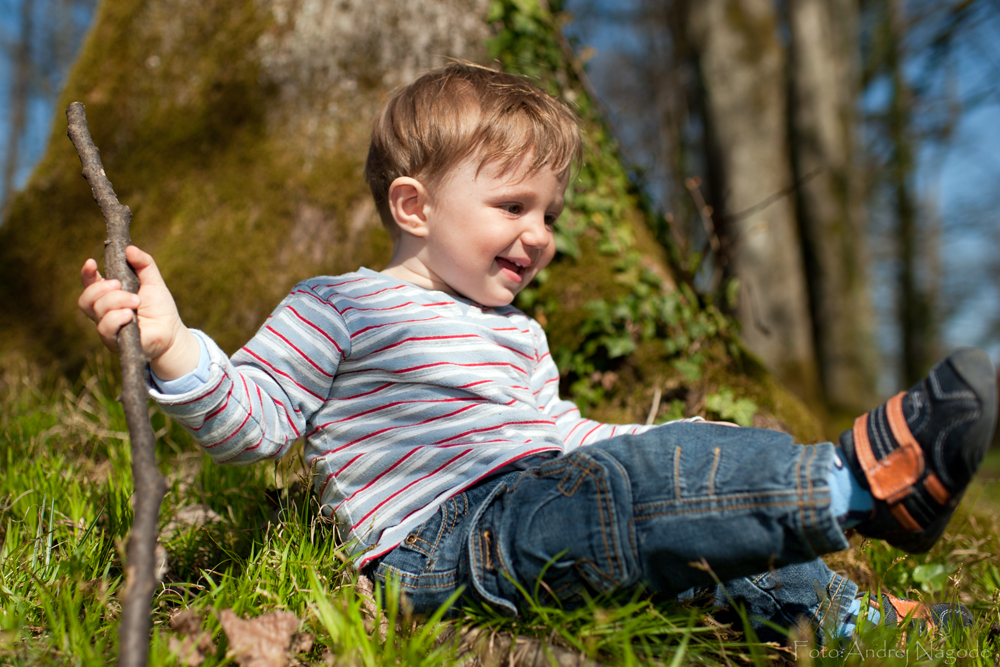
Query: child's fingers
x=144, y=265
x=114, y=300
x=89, y=273
x=108, y=326
x=94, y=293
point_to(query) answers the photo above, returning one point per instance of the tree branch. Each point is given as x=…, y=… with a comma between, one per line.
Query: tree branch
x=149, y=487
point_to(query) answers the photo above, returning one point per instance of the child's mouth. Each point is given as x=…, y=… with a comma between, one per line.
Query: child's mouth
x=511, y=268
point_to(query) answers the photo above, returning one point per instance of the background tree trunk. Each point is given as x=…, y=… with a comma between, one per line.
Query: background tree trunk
x=17, y=101
x=742, y=75
x=916, y=310
x=825, y=80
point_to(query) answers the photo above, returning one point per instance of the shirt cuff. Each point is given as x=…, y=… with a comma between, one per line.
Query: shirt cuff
x=192, y=380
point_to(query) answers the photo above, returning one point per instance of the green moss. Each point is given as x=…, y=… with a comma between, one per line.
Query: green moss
x=231, y=211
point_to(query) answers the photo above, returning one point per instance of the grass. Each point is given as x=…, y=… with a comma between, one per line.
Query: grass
x=248, y=539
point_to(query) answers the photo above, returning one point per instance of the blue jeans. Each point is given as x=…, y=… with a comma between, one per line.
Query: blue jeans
x=679, y=507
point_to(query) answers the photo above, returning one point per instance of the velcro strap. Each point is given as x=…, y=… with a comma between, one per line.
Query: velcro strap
x=903, y=516
x=907, y=608
x=936, y=489
x=890, y=478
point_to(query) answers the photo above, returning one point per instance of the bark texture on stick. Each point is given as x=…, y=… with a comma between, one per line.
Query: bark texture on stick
x=149, y=487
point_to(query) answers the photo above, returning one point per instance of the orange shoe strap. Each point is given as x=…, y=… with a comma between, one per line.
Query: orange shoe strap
x=909, y=608
x=892, y=477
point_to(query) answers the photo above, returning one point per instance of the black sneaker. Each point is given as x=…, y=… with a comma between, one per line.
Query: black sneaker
x=929, y=618
x=917, y=452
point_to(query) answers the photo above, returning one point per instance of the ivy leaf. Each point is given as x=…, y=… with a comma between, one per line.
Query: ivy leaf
x=690, y=368
x=728, y=407
x=619, y=346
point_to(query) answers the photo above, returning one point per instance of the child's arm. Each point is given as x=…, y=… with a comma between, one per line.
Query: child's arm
x=255, y=405
x=241, y=411
x=170, y=347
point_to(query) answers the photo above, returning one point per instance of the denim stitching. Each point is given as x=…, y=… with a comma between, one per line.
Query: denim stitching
x=728, y=496
x=404, y=578
x=711, y=473
x=601, y=492
x=605, y=576
x=677, y=472
x=798, y=488
x=566, y=586
x=812, y=501
x=806, y=471
x=619, y=554
x=476, y=557
x=601, y=509
x=812, y=490
x=505, y=569
x=579, y=480
x=712, y=509
x=821, y=508
x=413, y=545
x=774, y=599
x=445, y=528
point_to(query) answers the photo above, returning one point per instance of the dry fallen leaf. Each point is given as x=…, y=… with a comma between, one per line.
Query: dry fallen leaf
x=195, y=643
x=302, y=642
x=261, y=641
x=189, y=516
x=366, y=591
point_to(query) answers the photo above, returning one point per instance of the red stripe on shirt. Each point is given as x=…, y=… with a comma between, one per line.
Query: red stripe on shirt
x=317, y=328
x=301, y=353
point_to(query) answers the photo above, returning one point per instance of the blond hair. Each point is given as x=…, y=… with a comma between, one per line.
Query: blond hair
x=460, y=110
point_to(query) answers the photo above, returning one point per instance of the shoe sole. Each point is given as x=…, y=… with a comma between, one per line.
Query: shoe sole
x=976, y=369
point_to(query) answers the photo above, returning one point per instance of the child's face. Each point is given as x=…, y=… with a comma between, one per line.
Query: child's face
x=489, y=234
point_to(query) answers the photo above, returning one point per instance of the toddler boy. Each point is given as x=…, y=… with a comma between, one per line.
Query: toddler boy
x=432, y=422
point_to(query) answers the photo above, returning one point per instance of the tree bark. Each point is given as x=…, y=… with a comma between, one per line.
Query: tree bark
x=149, y=487
x=742, y=73
x=18, y=100
x=824, y=78
x=916, y=312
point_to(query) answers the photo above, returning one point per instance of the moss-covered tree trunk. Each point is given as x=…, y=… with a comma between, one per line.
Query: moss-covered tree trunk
x=236, y=132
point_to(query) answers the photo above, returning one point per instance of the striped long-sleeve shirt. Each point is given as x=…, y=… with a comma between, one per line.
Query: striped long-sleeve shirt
x=404, y=397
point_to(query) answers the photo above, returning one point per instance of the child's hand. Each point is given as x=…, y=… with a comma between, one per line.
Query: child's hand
x=171, y=348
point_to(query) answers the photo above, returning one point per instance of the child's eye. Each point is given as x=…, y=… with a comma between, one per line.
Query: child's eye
x=550, y=220
x=513, y=209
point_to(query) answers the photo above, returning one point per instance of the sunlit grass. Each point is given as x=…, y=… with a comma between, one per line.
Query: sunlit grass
x=249, y=539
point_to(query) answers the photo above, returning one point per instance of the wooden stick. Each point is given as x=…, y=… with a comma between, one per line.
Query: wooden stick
x=149, y=487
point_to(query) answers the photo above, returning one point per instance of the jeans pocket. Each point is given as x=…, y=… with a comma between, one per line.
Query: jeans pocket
x=566, y=524
x=425, y=564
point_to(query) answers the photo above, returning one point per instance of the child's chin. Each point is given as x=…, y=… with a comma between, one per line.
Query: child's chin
x=497, y=300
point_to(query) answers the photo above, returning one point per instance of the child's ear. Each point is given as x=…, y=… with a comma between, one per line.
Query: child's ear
x=407, y=201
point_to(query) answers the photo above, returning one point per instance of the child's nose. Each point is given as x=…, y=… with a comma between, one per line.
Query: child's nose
x=536, y=234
